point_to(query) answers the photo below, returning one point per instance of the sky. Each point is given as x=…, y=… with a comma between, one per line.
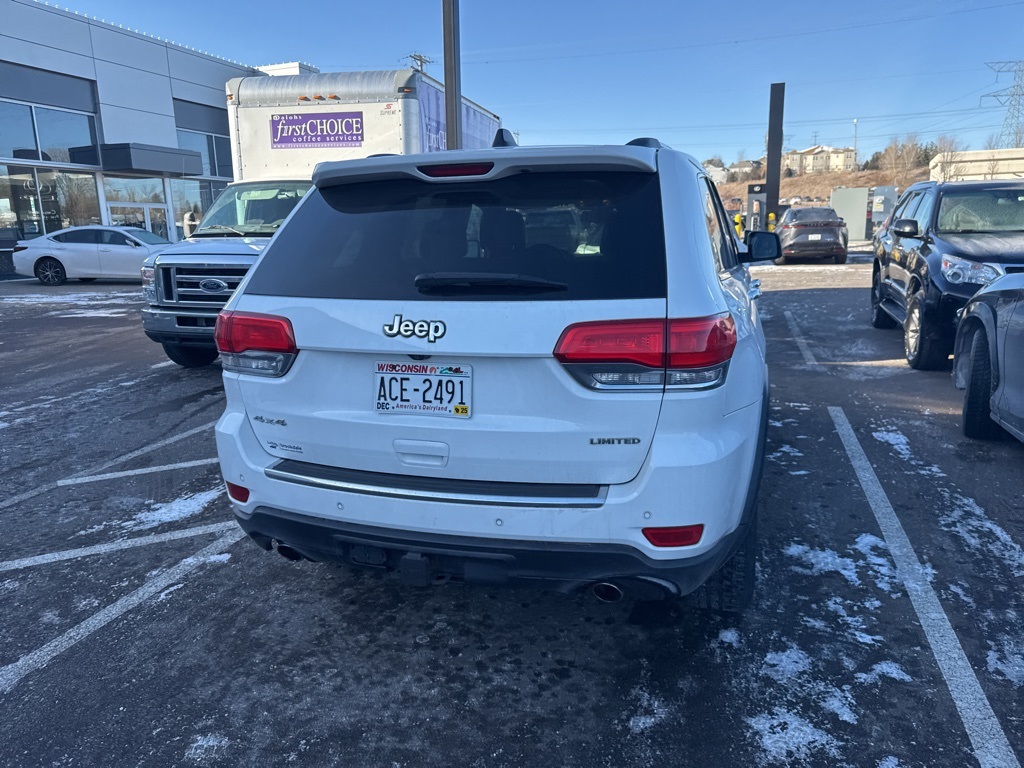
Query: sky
x=695, y=75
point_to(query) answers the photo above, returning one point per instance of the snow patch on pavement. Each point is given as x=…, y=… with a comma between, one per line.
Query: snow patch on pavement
x=786, y=737
x=1007, y=659
x=173, y=511
x=964, y=517
x=889, y=669
x=785, y=665
x=819, y=561
x=206, y=748
x=729, y=637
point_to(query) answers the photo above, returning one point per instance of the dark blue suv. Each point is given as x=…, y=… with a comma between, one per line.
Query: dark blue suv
x=943, y=243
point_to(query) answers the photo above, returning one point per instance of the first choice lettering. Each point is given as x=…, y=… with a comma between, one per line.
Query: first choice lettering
x=330, y=126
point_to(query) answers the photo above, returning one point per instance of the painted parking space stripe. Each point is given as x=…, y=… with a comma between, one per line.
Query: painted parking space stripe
x=991, y=746
x=39, y=490
x=13, y=673
x=133, y=472
x=798, y=337
x=113, y=546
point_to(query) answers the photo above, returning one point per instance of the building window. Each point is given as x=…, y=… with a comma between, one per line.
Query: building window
x=215, y=151
x=60, y=133
x=17, y=135
x=124, y=189
x=20, y=217
x=68, y=199
x=195, y=195
x=63, y=136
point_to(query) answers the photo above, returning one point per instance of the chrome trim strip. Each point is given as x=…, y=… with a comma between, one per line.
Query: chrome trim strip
x=456, y=498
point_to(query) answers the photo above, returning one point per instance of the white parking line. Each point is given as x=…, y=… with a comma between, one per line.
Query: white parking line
x=39, y=490
x=130, y=472
x=13, y=673
x=991, y=746
x=164, y=364
x=799, y=339
x=113, y=546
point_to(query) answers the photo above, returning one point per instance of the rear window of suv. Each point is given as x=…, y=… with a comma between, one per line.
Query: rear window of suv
x=546, y=236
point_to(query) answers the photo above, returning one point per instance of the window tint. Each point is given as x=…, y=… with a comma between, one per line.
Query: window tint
x=598, y=233
x=902, y=209
x=110, y=237
x=59, y=238
x=719, y=231
x=90, y=236
x=811, y=214
x=923, y=214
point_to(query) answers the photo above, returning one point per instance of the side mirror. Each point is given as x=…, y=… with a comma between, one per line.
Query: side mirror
x=904, y=228
x=762, y=246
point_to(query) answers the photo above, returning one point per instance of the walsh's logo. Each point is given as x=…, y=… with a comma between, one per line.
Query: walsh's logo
x=431, y=330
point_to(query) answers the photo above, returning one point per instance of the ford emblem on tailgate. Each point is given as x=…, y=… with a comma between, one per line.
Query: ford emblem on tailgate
x=212, y=285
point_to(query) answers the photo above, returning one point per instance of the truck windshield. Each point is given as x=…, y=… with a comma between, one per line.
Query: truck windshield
x=982, y=210
x=255, y=209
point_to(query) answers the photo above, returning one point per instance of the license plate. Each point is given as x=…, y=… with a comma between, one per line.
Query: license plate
x=814, y=237
x=431, y=389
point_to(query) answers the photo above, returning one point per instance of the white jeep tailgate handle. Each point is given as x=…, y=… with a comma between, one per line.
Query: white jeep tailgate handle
x=421, y=453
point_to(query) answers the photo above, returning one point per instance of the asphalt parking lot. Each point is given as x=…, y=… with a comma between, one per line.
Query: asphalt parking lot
x=141, y=629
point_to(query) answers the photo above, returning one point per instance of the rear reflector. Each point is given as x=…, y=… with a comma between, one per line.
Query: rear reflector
x=679, y=536
x=263, y=345
x=459, y=169
x=238, y=493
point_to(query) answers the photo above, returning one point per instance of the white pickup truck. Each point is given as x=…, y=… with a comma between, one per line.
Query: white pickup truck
x=281, y=127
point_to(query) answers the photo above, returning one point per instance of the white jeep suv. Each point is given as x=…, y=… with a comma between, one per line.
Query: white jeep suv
x=513, y=365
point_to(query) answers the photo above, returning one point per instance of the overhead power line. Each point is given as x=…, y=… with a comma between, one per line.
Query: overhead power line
x=1012, y=98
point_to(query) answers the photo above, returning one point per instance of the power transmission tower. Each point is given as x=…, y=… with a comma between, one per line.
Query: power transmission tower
x=814, y=138
x=1012, y=98
x=420, y=61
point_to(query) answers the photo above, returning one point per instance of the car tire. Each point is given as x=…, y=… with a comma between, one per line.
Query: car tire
x=49, y=271
x=781, y=260
x=976, y=419
x=190, y=357
x=87, y=279
x=730, y=589
x=923, y=351
x=839, y=258
x=879, y=317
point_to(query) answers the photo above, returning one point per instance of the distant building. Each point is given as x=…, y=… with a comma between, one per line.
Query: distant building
x=717, y=173
x=741, y=167
x=820, y=159
x=978, y=165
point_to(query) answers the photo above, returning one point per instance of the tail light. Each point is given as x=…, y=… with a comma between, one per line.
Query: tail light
x=20, y=248
x=689, y=353
x=456, y=169
x=261, y=345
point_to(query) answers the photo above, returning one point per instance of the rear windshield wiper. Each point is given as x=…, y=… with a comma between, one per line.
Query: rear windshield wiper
x=484, y=282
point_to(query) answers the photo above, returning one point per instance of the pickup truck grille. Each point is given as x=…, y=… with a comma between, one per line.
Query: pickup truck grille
x=183, y=285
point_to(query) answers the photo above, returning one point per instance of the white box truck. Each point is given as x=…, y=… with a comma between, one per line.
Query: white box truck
x=280, y=128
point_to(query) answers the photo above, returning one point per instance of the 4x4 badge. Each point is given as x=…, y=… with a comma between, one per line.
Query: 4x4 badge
x=431, y=330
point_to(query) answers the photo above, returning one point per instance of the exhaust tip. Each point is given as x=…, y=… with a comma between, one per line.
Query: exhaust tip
x=607, y=592
x=288, y=553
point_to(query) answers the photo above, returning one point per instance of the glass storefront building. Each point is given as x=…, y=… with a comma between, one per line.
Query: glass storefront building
x=102, y=125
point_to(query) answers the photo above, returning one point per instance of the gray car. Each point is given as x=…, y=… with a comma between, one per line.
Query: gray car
x=813, y=232
x=989, y=359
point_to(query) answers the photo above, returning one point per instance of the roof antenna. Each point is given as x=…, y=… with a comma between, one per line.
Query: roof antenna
x=504, y=138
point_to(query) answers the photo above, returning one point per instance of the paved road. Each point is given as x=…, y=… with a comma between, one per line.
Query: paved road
x=139, y=629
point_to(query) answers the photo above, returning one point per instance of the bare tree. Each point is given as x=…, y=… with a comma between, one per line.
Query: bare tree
x=899, y=158
x=992, y=164
x=950, y=165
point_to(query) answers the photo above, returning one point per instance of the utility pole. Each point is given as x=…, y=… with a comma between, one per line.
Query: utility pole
x=855, y=143
x=420, y=61
x=452, y=75
x=773, y=157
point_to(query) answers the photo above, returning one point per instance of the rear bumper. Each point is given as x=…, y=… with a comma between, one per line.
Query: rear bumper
x=188, y=327
x=814, y=247
x=508, y=540
x=422, y=559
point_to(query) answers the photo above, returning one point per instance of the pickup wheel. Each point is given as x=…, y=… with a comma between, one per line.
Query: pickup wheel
x=839, y=258
x=730, y=589
x=49, y=271
x=190, y=357
x=879, y=317
x=923, y=351
x=976, y=418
